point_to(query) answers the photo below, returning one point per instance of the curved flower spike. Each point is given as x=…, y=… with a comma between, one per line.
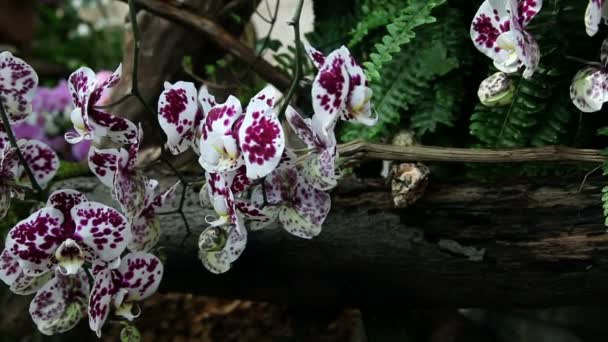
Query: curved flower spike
x=498, y=31
x=91, y=123
x=179, y=115
x=319, y=166
x=68, y=231
x=596, y=10
x=18, y=82
x=302, y=209
x=136, y=278
x=340, y=89
x=61, y=303
x=219, y=247
x=589, y=89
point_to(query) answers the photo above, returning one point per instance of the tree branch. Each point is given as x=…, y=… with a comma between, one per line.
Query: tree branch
x=222, y=38
x=371, y=151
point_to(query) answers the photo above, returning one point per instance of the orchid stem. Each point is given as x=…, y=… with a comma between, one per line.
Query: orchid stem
x=295, y=22
x=13, y=142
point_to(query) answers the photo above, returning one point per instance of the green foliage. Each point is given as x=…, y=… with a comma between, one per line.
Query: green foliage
x=71, y=169
x=400, y=32
x=375, y=14
x=418, y=82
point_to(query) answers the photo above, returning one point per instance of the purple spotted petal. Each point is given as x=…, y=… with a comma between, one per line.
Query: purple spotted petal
x=145, y=233
x=131, y=161
x=589, y=89
x=103, y=163
x=164, y=197
x=119, y=130
x=65, y=200
x=527, y=9
x=261, y=136
x=312, y=206
x=18, y=82
x=319, y=170
x=206, y=101
x=297, y=225
x=252, y=212
x=526, y=46
x=8, y=162
x=130, y=190
x=61, y=303
x=317, y=57
x=99, y=301
x=110, y=82
x=222, y=117
x=302, y=127
x=9, y=267
x=34, y=240
x=177, y=110
x=489, y=22
x=141, y=274
x=103, y=229
x=41, y=159
x=593, y=16
x=330, y=90
x=81, y=84
x=238, y=180
x=604, y=53
x=25, y=285
x=221, y=261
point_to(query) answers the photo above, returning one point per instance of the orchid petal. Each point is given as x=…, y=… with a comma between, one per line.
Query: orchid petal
x=221, y=118
x=4, y=142
x=18, y=82
x=119, y=130
x=317, y=57
x=41, y=159
x=330, y=90
x=9, y=267
x=261, y=136
x=205, y=100
x=526, y=46
x=302, y=127
x=177, y=110
x=588, y=90
x=526, y=10
x=60, y=304
x=164, y=197
x=99, y=301
x=141, y=275
x=25, y=285
x=103, y=163
x=604, y=53
x=103, y=229
x=221, y=261
x=33, y=241
x=320, y=170
x=312, y=205
x=238, y=180
x=81, y=83
x=296, y=225
x=130, y=190
x=145, y=233
x=131, y=162
x=359, y=107
x=108, y=83
x=490, y=21
x=64, y=201
x=593, y=16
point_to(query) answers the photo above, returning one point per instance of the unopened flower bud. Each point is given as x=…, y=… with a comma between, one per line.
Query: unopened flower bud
x=496, y=90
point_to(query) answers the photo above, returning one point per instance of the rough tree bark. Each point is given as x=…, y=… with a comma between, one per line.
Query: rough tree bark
x=522, y=242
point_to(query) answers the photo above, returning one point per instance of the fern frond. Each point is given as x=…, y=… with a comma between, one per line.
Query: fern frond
x=375, y=14
x=438, y=107
x=400, y=32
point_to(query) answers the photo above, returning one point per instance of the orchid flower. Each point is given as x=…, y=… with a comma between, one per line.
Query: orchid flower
x=319, y=166
x=498, y=31
x=42, y=161
x=117, y=170
x=61, y=303
x=91, y=123
x=589, y=89
x=145, y=229
x=596, y=10
x=66, y=232
x=300, y=207
x=219, y=247
x=231, y=138
x=340, y=89
x=18, y=82
x=180, y=113
x=136, y=278
x=18, y=281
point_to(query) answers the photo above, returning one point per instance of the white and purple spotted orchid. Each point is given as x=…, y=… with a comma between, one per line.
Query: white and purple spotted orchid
x=320, y=165
x=589, y=89
x=18, y=82
x=136, y=278
x=61, y=303
x=596, y=10
x=498, y=31
x=219, y=247
x=230, y=138
x=42, y=161
x=117, y=170
x=67, y=232
x=145, y=229
x=340, y=89
x=13, y=276
x=180, y=113
x=300, y=208
x=91, y=123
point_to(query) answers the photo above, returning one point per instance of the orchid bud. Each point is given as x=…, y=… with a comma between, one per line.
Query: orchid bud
x=496, y=90
x=212, y=239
